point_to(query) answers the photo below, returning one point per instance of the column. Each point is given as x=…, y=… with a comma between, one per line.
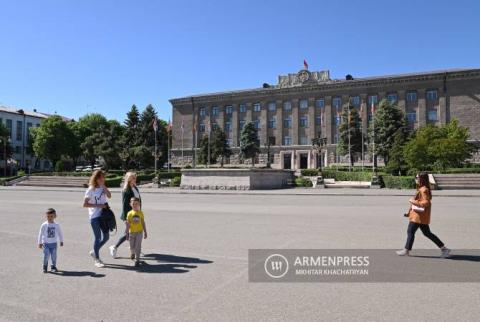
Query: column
x=311, y=119
x=221, y=117
x=364, y=114
x=249, y=113
x=295, y=121
x=328, y=119
x=263, y=123
x=401, y=101
x=442, y=107
x=235, y=125
x=279, y=118
x=422, y=108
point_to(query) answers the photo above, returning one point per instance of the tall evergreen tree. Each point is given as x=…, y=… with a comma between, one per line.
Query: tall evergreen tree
x=147, y=136
x=249, y=142
x=350, y=130
x=203, y=153
x=388, y=119
x=220, y=147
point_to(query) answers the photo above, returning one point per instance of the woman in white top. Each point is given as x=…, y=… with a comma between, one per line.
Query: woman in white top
x=95, y=200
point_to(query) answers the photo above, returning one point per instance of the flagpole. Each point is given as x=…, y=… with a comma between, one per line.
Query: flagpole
x=208, y=149
x=156, y=149
x=183, y=160
x=349, y=146
x=373, y=128
x=363, y=143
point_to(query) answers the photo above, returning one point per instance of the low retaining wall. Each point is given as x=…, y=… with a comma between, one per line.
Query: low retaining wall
x=236, y=179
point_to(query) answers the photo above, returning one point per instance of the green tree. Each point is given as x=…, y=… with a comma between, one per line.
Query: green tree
x=4, y=136
x=52, y=139
x=220, y=147
x=438, y=147
x=130, y=139
x=388, y=120
x=203, y=151
x=397, y=164
x=108, y=151
x=147, y=136
x=350, y=130
x=249, y=143
x=91, y=131
x=75, y=151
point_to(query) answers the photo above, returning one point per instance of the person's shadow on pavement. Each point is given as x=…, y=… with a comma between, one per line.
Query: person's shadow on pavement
x=77, y=274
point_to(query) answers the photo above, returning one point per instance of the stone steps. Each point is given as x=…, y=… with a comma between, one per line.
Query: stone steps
x=54, y=181
x=457, y=181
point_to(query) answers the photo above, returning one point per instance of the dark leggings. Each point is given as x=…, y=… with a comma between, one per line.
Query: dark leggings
x=121, y=240
x=412, y=229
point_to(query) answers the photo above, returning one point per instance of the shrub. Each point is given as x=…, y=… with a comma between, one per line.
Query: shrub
x=302, y=182
x=59, y=166
x=309, y=172
x=169, y=175
x=397, y=182
x=347, y=176
x=176, y=182
x=113, y=182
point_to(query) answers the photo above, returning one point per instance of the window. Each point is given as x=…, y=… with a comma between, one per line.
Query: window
x=229, y=142
x=412, y=96
x=303, y=104
x=318, y=120
x=29, y=126
x=287, y=140
x=320, y=103
x=337, y=102
x=355, y=100
x=203, y=111
x=215, y=110
x=19, y=130
x=287, y=123
x=243, y=108
x=257, y=107
x=228, y=126
x=432, y=116
x=258, y=126
x=372, y=99
x=287, y=106
x=432, y=95
x=338, y=119
x=392, y=98
x=304, y=140
x=1, y=120
x=272, y=123
x=241, y=124
x=304, y=121
x=271, y=141
x=272, y=106
x=228, y=109
x=9, y=125
x=18, y=149
x=336, y=138
x=411, y=117
x=202, y=128
x=215, y=126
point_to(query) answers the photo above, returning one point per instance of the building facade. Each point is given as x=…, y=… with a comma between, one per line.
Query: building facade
x=307, y=105
x=19, y=122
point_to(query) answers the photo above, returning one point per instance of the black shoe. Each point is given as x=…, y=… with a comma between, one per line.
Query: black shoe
x=137, y=264
x=54, y=269
x=45, y=269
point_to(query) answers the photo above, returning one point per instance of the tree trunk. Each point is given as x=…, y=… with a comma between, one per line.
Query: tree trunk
x=253, y=162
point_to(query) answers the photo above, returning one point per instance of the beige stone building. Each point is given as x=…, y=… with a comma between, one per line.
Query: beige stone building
x=306, y=105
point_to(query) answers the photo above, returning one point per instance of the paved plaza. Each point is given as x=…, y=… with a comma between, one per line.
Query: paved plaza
x=196, y=258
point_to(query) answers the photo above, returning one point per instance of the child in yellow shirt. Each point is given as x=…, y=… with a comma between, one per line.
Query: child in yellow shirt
x=135, y=230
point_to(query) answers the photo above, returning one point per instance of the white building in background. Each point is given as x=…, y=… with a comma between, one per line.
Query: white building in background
x=19, y=122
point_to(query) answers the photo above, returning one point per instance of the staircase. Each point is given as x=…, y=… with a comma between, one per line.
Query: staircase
x=457, y=181
x=54, y=181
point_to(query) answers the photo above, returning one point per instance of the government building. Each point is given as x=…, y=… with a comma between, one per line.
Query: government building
x=308, y=105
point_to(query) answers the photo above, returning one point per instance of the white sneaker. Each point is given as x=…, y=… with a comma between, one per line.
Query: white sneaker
x=403, y=252
x=92, y=253
x=99, y=263
x=445, y=252
x=113, y=251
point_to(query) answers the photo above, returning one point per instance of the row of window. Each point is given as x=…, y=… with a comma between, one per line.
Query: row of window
x=411, y=96
x=19, y=129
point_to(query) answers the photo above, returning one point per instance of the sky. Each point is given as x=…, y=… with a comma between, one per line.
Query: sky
x=78, y=57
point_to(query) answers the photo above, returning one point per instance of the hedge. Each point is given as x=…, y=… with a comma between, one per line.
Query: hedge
x=303, y=182
x=175, y=182
x=309, y=172
x=398, y=182
x=347, y=176
x=113, y=182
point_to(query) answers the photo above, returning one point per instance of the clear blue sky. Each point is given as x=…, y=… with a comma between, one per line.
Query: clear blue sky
x=76, y=57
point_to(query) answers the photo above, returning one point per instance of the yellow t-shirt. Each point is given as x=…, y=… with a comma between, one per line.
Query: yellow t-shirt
x=134, y=218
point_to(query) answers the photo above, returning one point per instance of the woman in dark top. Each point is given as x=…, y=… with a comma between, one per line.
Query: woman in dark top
x=129, y=191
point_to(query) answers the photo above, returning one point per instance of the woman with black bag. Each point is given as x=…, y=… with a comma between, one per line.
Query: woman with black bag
x=96, y=200
x=419, y=217
x=129, y=191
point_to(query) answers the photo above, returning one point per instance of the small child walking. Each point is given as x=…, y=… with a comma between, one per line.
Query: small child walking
x=50, y=233
x=135, y=229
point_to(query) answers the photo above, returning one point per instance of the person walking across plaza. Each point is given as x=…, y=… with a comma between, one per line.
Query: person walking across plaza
x=419, y=217
x=129, y=191
x=95, y=200
x=49, y=235
x=135, y=230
